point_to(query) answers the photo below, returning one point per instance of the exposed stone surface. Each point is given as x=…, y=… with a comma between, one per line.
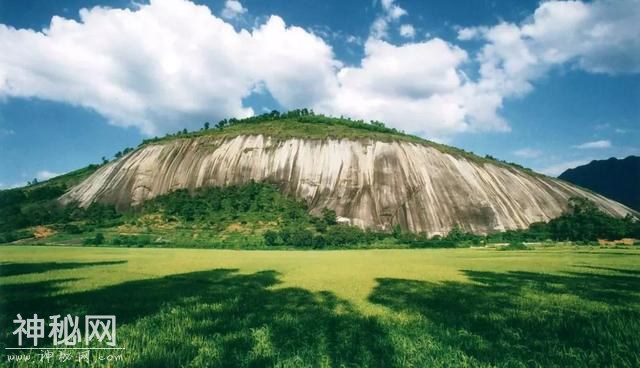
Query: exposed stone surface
x=374, y=184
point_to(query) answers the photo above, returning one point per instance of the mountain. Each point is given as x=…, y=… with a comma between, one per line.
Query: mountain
x=613, y=178
x=372, y=176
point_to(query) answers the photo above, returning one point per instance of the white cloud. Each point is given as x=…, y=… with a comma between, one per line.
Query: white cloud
x=527, y=153
x=233, y=9
x=598, y=37
x=595, y=144
x=415, y=86
x=559, y=168
x=46, y=175
x=601, y=37
x=390, y=13
x=407, y=31
x=353, y=39
x=470, y=33
x=392, y=10
x=163, y=65
x=171, y=63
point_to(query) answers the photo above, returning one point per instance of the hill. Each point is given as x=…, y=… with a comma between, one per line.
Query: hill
x=372, y=176
x=303, y=180
x=618, y=179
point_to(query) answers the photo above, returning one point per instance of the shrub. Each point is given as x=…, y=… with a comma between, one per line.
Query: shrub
x=272, y=238
x=297, y=237
x=329, y=216
x=96, y=240
x=319, y=242
x=130, y=240
x=72, y=229
x=344, y=235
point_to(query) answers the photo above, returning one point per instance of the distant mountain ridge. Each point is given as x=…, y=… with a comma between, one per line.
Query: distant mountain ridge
x=618, y=179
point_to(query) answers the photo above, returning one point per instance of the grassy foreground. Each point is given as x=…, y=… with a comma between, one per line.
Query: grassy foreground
x=423, y=308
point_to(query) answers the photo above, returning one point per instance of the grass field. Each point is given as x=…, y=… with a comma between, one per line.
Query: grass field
x=566, y=307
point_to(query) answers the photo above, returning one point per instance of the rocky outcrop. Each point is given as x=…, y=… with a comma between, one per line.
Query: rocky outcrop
x=374, y=184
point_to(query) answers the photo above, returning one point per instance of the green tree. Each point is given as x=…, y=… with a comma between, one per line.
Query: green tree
x=397, y=231
x=96, y=240
x=329, y=216
x=271, y=238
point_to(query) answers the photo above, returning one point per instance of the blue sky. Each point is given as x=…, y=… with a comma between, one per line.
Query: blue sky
x=548, y=85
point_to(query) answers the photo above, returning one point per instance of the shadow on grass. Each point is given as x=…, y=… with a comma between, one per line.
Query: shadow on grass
x=612, y=269
x=515, y=318
x=13, y=269
x=223, y=318
x=217, y=318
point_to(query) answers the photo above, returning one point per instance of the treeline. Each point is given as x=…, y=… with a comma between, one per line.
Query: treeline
x=305, y=116
x=321, y=232
x=489, y=157
x=583, y=222
x=24, y=207
x=218, y=205
x=299, y=115
x=258, y=206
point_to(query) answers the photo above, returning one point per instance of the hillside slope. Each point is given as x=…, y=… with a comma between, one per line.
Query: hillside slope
x=613, y=178
x=374, y=183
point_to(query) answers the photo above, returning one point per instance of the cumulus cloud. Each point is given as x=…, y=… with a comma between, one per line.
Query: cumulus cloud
x=163, y=65
x=416, y=86
x=527, y=153
x=407, y=31
x=172, y=63
x=470, y=33
x=598, y=37
x=594, y=145
x=233, y=9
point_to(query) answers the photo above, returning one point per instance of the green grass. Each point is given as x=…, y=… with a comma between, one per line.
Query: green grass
x=560, y=306
x=67, y=180
x=283, y=129
x=292, y=128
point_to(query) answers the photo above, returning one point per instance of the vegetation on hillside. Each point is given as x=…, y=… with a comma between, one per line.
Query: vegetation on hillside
x=257, y=215
x=304, y=123
x=583, y=222
x=36, y=204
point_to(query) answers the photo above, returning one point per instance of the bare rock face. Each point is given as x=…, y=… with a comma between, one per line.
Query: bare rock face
x=373, y=184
